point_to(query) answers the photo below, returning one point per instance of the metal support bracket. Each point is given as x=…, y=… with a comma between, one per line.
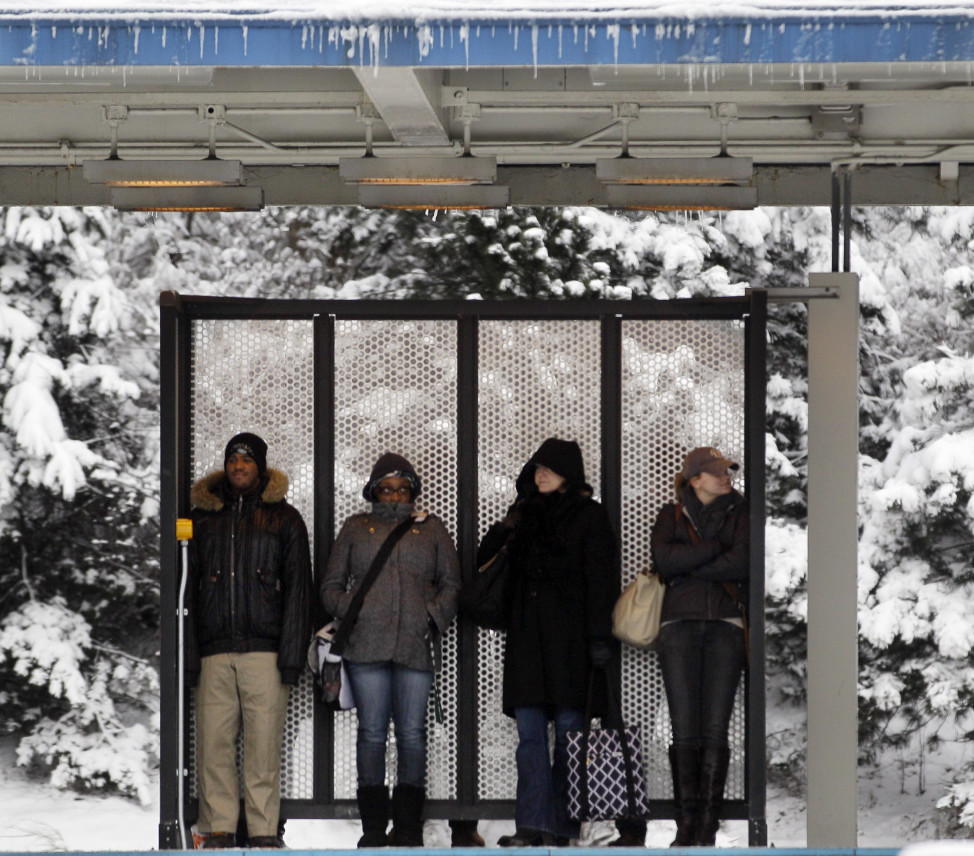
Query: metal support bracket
x=800, y=295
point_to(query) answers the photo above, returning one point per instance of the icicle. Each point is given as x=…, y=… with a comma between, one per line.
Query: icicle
x=747, y=34
x=163, y=36
x=517, y=31
x=202, y=39
x=612, y=31
x=216, y=40
x=424, y=39
x=534, y=48
x=559, y=41
x=246, y=33
x=374, y=34
x=465, y=41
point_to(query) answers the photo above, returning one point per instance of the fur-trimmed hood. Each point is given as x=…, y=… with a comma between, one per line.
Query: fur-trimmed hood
x=209, y=492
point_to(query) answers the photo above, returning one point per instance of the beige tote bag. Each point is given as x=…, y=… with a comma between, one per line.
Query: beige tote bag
x=635, y=617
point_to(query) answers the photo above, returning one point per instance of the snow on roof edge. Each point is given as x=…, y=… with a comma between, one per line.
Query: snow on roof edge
x=390, y=12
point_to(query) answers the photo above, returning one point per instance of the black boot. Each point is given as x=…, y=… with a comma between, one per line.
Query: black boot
x=714, y=761
x=407, y=816
x=373, y=808
x=685, y=767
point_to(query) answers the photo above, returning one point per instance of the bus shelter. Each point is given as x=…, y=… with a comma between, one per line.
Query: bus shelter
x=466, y=390
x=166, y=105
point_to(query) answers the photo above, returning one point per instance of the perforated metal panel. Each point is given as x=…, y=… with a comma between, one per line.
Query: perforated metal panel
x=396, y=391
x=258, y=376
x=537, y=379
x=683, y=386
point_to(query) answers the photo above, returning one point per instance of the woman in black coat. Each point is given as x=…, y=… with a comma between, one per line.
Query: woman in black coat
x=700, y=547
x=561, y=549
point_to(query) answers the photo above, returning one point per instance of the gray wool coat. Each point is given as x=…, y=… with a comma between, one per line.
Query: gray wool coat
x=420, y=581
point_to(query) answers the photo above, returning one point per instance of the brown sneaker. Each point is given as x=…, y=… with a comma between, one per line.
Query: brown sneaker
x=220, y=841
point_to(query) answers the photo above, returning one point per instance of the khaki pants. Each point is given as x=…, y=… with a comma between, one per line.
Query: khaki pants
x=237, y=688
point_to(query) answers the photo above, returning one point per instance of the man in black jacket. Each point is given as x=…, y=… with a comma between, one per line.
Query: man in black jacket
x=248, y=595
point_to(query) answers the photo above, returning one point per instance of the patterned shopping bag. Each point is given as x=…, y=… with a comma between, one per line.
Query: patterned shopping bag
x=606, y=779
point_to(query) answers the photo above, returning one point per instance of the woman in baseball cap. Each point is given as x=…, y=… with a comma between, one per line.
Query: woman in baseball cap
x=700, y=548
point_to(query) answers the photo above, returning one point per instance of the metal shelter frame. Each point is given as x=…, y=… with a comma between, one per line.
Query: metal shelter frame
x=179, y=313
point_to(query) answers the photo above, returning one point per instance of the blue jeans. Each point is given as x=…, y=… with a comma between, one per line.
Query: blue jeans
x=383, y=691
x=542, y=785
x=701, y=662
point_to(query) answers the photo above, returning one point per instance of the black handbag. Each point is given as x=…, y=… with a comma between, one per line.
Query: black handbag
x=486, y=597
x=606, y=779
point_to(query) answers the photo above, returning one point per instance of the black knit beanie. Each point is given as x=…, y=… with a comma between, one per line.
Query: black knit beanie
x=563, y=457
x=249, y=444
x=391, y=465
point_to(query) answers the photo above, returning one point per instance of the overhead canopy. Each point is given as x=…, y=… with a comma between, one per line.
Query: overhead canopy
x=546, y=89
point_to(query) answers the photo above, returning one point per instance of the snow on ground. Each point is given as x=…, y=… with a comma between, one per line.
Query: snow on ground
x=36, y=817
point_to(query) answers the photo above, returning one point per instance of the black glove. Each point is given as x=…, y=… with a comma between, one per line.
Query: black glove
x=599, y=652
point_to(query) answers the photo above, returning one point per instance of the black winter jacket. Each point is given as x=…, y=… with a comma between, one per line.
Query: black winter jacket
x=565, y=584
x=695, y=564
x=249, y=587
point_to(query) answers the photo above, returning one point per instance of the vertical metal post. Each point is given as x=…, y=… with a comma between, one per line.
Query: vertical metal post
x=836, y=220
x=468, y=343
x=323, y=531
x=833, y=445
x=755, y=373
x=174, y=355
x=847, y=221
x=611, y=451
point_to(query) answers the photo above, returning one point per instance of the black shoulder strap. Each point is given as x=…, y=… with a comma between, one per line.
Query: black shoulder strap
x=351, y=614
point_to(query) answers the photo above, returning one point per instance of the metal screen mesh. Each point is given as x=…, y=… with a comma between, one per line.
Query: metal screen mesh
x=396, y=391
x=537, y=379
x=258, y=376
x=683, y=386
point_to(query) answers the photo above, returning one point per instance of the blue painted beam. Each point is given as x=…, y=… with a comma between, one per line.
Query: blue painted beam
x=241, y=40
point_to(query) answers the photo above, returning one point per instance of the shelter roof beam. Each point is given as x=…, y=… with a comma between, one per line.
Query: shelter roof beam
x=408, y=103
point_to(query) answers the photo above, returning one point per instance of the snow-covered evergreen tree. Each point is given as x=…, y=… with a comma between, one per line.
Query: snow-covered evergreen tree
x=76, y=508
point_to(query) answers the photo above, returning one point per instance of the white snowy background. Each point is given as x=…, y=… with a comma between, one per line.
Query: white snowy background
x=79, y=475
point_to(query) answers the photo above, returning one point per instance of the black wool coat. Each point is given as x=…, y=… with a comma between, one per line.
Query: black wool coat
x=565, y=585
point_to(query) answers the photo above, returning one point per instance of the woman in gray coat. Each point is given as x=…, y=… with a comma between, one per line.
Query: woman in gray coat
x=389, y=656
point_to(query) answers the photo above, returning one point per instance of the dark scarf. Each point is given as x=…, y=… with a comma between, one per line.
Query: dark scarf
x=394, y=512
x=539, y=530
x=708, y=518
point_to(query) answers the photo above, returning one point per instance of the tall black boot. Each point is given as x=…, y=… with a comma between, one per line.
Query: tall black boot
x=373, y=808
x=685, y=767
x=714, y=761
x=407, y=816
